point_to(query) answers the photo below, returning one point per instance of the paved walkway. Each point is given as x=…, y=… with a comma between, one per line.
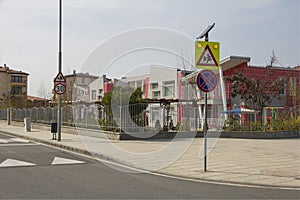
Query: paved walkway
x=244, y=161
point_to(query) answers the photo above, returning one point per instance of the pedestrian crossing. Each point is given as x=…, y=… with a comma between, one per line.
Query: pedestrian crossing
x=18, y=152
x=20, y=163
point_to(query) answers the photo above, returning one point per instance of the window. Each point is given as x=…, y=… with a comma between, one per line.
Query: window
x=155, y=114
x=168, y=88
x=131, y=84
x=156, y=94
x=93, y=95
x=154, y=86
x=16, y=90
x=293, y=86
x=16, y=79
x=282, y=85
x=100, y=91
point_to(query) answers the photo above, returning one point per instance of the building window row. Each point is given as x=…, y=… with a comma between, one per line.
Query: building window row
x=16, y=79
x=16, y=90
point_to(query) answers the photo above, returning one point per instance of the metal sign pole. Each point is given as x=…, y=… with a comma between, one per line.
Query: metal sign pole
x=205, y=121
x=205, y=35
x=59, y=70
x=205, y=133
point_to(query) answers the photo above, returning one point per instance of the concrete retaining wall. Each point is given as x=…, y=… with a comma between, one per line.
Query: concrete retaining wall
x=221, y=134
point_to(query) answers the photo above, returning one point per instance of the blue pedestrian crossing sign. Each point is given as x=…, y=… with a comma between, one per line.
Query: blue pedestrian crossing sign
x=206, y=80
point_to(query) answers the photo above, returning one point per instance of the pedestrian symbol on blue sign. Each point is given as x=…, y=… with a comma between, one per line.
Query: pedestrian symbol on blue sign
x=206, y=80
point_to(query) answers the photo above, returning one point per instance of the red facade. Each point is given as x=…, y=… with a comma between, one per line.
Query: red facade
x=290, y=81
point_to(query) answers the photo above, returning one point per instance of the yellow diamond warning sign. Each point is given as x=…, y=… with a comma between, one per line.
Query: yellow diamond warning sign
x=207, y=55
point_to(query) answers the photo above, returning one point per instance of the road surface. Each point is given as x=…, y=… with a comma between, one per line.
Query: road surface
x=31, y=170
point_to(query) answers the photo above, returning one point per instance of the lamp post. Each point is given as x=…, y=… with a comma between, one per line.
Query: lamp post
x=59, y=70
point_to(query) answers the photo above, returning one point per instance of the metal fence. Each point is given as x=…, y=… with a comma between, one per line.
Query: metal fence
x=141, y=117
x=144, y=118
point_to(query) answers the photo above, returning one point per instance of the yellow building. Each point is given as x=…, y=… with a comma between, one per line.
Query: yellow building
x=13, y=87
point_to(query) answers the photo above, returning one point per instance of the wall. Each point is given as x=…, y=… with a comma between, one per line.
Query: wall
x=286, y=100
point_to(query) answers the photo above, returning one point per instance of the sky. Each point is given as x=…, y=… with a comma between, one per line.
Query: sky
x=98, y=28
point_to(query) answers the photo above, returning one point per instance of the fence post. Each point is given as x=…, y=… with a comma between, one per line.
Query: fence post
x=8, y=114
x=195, y=114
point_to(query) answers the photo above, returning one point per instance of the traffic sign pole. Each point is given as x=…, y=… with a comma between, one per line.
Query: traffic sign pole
x=205, y=133
x=59, y=70
x=205, y=123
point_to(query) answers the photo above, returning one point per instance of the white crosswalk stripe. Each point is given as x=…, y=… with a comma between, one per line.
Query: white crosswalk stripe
x=64, y=161
x=15, y=163
x=19, y=140
x=56, y=161
x=13, y=140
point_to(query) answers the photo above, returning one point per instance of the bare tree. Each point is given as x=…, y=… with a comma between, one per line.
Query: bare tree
x=273, y=59
x=43, y=91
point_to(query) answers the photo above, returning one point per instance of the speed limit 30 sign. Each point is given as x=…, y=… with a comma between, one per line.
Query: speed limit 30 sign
x=59, y=88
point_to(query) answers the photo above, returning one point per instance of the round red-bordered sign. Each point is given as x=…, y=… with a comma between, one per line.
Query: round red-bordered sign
x=59, y=88
x=206, y=80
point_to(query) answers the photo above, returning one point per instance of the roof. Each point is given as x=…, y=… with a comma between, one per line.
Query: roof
x=33, y=98
x=81, y=75
x=232, y=61
x=11, y=71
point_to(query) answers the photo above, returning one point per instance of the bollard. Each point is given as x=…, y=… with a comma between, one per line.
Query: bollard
x=27, y=124
x=8, y=116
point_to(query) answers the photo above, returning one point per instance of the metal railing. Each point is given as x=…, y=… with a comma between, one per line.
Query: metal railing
x=140, y=117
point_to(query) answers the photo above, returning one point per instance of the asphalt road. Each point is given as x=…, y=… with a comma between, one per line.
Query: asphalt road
x=29, y=170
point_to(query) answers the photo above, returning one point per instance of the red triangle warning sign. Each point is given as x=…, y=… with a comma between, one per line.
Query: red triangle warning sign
x=207, y=58
x=60, y=78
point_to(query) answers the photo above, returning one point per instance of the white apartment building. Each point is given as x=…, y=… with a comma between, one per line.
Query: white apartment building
x=172, y=93
x=98, y=88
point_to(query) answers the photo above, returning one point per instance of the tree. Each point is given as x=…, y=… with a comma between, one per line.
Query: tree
x=125, y=96
x=256, y=92
x=273, y=59
x=43, y=92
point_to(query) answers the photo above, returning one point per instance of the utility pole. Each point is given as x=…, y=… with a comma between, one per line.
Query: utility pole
x=59, y=71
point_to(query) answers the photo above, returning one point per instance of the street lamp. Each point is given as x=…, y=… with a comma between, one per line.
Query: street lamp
x=59, y=71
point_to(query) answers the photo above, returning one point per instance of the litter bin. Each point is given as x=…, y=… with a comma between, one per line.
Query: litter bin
x=53, y=130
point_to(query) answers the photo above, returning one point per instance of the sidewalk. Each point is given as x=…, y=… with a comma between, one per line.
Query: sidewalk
x=243, y=161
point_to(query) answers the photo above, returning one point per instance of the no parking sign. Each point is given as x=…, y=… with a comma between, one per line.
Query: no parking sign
x=206, y=80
